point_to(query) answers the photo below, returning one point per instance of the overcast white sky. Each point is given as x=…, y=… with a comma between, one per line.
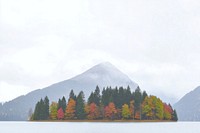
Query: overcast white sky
x=155, y=42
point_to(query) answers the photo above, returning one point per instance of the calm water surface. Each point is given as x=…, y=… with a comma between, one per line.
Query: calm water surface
x=97, y=127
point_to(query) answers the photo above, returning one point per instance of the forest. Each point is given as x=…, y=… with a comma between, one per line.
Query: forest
x=110, y=104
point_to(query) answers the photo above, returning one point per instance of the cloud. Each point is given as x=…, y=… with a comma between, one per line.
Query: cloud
x=154, y=42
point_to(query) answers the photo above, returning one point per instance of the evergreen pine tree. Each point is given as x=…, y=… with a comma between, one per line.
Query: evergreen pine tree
x=59, y=104
x=116, y=98
x=174, y=116
x=91, y=98
x=80, y=107
x=64, y=104
x=127, y=96
x=36, y=112
x=121, y=97
x=97, y=96
x=46, y=108
x=72, y=95
x=41, y=110
x=105, y=96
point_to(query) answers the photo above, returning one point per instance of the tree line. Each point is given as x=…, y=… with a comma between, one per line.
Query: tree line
x=110, y=104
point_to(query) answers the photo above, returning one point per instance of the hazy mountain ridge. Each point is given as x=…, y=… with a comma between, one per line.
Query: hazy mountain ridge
x=188, y=107
x=104, y=74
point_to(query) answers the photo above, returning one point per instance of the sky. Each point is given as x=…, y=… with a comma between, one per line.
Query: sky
x=156, y=43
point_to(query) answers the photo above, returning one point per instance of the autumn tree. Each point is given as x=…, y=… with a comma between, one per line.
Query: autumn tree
x=53, y=110
x=167, y=112
x=70, y=110
x=110, y=111
x=93, y=112
x=60, y=114
x=148, y=108
x=158, y=109
x=125, y=112
x=152, y=108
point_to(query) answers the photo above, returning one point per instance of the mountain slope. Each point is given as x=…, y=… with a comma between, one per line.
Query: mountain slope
x=104, y=74
x=188, y=107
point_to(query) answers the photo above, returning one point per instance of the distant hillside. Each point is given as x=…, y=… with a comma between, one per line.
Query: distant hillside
x=188, y=107
x=104, y=74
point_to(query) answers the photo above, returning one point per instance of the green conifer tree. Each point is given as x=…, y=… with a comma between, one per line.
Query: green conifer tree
x=80, y=106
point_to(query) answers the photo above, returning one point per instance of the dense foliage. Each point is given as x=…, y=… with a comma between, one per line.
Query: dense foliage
x=112, y=104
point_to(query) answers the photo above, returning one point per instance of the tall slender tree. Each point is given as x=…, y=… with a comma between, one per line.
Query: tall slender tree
x=125, y=111
x=138, y=100
x=46, y=108
x=64, y=104
x=174, y=116
x=97, y=96
x=80, y=106
x=53, y=111
x=70, y=110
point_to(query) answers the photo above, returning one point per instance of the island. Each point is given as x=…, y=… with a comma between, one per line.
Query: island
x=112, y=104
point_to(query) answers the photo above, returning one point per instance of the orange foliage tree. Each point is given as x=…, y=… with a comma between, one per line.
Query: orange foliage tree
x=70, y=110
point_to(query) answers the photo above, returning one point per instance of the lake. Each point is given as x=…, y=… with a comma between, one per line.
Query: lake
x=98, y=127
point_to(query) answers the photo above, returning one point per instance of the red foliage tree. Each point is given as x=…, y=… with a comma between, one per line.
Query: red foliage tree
x=60, y=114
x=93, y=111
x=167, y=112
x=110, y=111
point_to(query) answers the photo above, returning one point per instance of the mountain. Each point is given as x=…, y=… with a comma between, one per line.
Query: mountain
x=103, y=75
x=188, y=107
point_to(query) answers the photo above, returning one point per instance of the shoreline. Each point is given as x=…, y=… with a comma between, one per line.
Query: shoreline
x=106, y=121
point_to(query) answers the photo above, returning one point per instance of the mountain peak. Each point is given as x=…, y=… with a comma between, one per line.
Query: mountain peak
x=106, y=74
x=105, y=64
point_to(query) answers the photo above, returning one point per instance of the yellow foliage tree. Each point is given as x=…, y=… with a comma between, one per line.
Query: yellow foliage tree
x=125, y=112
